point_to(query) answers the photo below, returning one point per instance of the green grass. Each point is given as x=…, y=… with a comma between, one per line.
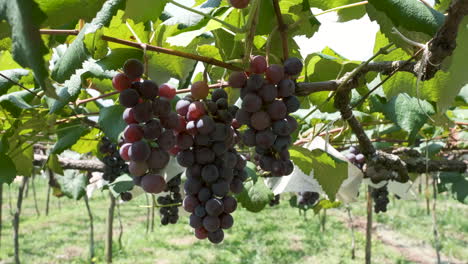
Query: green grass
x=275, y=235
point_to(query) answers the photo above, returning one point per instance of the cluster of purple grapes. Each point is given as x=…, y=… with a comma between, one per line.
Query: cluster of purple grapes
x=266, y=105
x=355, y=157
x=148, y=136
x=114, y=164
x=169, y=210
x=206, y=149
x=275, y=200
x=307, y=198
x=380, y=198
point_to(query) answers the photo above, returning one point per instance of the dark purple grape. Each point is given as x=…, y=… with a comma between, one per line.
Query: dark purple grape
x=139, y=151
x=189, y=203
x=143, y=112
x=129, y=98
x=167, y=140
x=195, y=221
x=277, y=110
x=158, y=159
x=292, y=104
x=205, y=125
x=220, y=188
x=152, y=129
x=226, y=221
x=251, y=103
x=286, y=88
x=237, y=79
x=265, y=138
x=211, y=223
x=260, y=120
x=148, y=89
x=214, y=207
x=210, y=173
x=185, y=158
x=230, y=204
x=293, y=66
x=133, y=68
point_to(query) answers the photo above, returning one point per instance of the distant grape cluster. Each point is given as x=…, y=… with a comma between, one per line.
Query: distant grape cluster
x=355, y=157
x=307, y=198
x=380, y=197
x=240, y=4
x=115, y=165
x=170, y=202
x=267, y=100
x=148, y=136
x=275, y=200
x=205, y=146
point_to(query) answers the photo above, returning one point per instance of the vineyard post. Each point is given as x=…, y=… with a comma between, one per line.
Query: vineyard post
x=369, y=226
x=119, y=216
x=50, y=176
x=153, y=206
x=353, y=240
x=91, y=229
x=16, y=218
x=437, y=243
x=33, y=187
x=109, y=228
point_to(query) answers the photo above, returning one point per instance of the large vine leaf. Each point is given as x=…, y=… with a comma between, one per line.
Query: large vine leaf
x=14, y=75
x=67, y=136
x=144, y=10
x=15, y=102
x=24, y=18
x=344, y=14
x=255, y=196
x=111, y=122
x=123, y=183
x=73, y=183
x=77, y=53
x=74, y=10
x=7, y=168
x=457, y=183
x=412, y=18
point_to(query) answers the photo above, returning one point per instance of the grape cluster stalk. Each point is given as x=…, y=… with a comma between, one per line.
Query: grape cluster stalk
x=267, y=101
x=170, y=202
x=148, y=136
x=205, y=146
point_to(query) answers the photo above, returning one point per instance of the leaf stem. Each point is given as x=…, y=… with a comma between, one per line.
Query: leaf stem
x=87, y=100
x=231, y=27
x=282, y=28
x=251, y=26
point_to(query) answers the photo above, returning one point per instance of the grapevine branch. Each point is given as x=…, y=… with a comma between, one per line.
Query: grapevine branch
x=65, y=163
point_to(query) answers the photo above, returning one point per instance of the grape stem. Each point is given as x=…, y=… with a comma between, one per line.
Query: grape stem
x=251, y=26
x=87, y=100
x=229, y=26
x=282, y=28
x=20, y=85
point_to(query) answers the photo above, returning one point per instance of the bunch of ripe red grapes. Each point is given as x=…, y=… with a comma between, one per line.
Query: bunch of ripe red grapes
x=203, y=132
x=267, y=100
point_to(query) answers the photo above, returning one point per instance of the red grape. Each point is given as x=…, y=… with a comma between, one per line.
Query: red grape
x=199, y=90
x=167, y=91
x=121, y=82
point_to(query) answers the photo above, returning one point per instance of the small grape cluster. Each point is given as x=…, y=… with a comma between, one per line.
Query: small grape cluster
x=239, y=4
x=206, y=148
x=115, y=165
x=266, y=105
x=380, y=197
x=275, y=200
x=355, y=157
x=148, y=136
x=169, y=210
x=307, y=198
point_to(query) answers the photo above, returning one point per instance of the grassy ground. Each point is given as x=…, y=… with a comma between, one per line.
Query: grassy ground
x=275, y=235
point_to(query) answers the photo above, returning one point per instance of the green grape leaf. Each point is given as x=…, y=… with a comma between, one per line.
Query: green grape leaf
x=62, y=12
x=442, y=5
x=24, y=18
x=24, y=159
x=255, y=196
x=409, y=114
x=67, y=136
x=8, y=169
x=326, y=204
x=15, y=102
x=457, y=183
x=123, y=183
x=54, y=165
x=412, y=18
x=302, y=158
x=73, y=183
x=111, y=122
x=14, y=75
x=87, y=143
x=251, y=170
x=144, y=10
x=267, y=19
x=77, y=53
x=344, y=14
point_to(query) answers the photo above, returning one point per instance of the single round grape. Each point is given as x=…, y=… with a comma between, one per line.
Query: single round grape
x=252, y=103
x=237, y=79
x=210, y=173
x=265, y=138
x=137, y=169
x=129, y=98
x=204, y=156
x=128, y=116
x=201, y=233
x=281, y=127
x=351, y=157
x=284, y=154
x=189, y=203
x=230, y=159
x=226, y=221
x=214, y=207
x=200, y=211
x=274, y=73
x=292, y=104
x=167, y=140
x=243, y=117
x=194, y=171
x=181, y=125
x=185, y=158
x=192, y=186
x=199, y=90
x=217, y=236
x=277, y=110
x=277, y=168
x=182, y=107
x=230, y=204
x=195, y=110
x=218, y=94
x=254, y=83
x=121, y=82
x=227, y=174
x=258, y=64
x=184, y=141
x=205, y=125
x=286, y=88
x=292, y=124
x=170, y=121
x=161, y=107
x=260, y=120
x=139, y=151
x=124, y=151
x=133, y=68
x=249, y=137
x=219, y=148
x=167, y=91
x=152, y=129
x=236, y=186
x=222, y=103
x=353, y=150
x=148, y=89
x=211, y=107
x=288, y=167
x=211, y=223
x=220, y=188
x=158, y=159
x=195, y=221
x=268, y=93
x=126, y=196
x=239, y=4
x=143, y=112
x=281, y=143
x=220, y=132
x=204, y=194
x=293, y=66
x=360, y=158
x=202, y=140
x=133, y=133
x=153, y=183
